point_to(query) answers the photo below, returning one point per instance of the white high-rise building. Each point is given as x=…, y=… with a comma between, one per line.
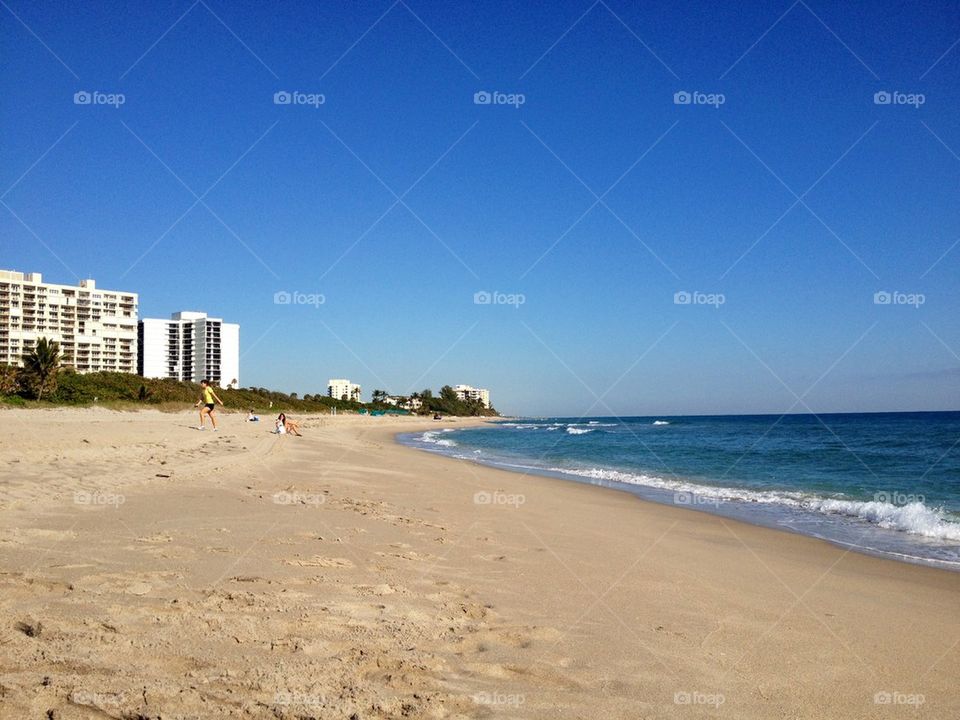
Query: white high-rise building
x=341, y=389
x=466, y=392
x=192, y=347
x=96, y=329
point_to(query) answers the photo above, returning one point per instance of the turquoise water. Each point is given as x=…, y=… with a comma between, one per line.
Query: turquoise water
x=883, y=483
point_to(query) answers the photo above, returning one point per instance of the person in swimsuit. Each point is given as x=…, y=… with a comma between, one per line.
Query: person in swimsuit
x=207, y=398
x=289, y=426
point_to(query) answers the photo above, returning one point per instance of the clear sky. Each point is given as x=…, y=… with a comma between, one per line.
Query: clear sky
x=785, y=189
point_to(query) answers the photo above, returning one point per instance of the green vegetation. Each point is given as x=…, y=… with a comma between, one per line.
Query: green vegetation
x=446, y=404
x=127, y=391
x=41, y=364
x=64, y=386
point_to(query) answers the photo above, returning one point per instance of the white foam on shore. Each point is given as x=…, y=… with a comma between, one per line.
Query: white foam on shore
x=431, y=438
x=914, y=518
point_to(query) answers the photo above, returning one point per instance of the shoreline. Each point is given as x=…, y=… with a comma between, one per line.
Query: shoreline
x=344, y=572
x=625, y=490
x=849, y=531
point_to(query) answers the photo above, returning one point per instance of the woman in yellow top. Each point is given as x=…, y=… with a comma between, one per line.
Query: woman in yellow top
x=206, y=399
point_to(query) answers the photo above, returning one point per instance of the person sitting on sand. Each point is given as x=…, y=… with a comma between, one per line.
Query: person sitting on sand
x=207, y=396
x=252, y=417
x=287, y=425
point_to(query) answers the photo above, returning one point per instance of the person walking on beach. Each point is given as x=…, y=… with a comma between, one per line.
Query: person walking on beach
x=207, y=397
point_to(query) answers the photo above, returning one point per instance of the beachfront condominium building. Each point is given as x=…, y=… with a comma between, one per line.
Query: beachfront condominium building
x=343, y=389
x=192, y=347
x=466, y=392
x=96, y=329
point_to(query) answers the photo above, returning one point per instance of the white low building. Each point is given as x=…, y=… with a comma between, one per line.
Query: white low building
x=467, y=392
x=96, y=329
x=190, y=346
x=342, y=389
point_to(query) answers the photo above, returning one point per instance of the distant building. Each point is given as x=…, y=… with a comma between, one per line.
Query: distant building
x=191, y=347
x=96, y=329
x=466, y=392
x=341, y=389
x=402, y=402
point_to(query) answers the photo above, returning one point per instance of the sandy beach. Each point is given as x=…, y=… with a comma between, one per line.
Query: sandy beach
x=151, y=570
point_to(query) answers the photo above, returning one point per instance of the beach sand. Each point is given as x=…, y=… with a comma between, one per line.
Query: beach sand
x=151, y=570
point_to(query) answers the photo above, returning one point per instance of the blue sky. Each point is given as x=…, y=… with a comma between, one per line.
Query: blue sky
x=596, y=200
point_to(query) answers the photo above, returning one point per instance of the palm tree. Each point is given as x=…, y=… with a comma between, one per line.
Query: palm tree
x=42, y=364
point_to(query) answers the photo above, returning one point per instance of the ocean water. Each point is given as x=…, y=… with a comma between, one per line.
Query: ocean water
x=882, y=483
